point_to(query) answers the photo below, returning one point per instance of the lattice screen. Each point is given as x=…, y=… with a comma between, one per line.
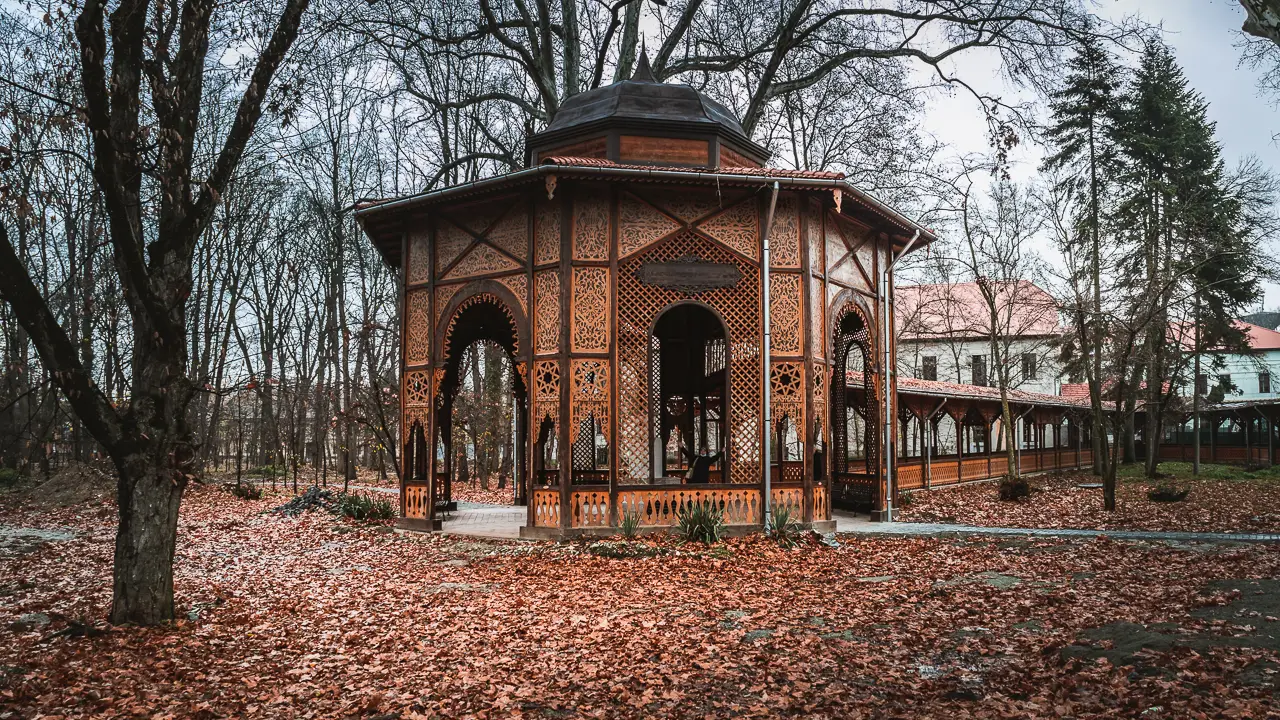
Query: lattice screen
x=638, y=306
x=417, y=327
x=786, y=314
x=590, y=309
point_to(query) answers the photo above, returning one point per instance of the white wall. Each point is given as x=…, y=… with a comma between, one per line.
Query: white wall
x=948, y=352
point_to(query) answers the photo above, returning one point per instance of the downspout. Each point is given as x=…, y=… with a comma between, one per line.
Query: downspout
x=768, y=337
x=882, y=294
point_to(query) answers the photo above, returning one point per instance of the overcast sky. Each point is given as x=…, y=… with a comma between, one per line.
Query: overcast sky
x=1205, y=34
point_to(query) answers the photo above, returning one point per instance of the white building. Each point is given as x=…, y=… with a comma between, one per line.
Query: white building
x=944, y=334
x=1244, y=376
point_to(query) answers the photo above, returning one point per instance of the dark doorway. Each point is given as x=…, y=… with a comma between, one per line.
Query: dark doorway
x=689, y=357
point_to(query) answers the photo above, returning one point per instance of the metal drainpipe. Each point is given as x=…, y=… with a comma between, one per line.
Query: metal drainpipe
x=887, y=376
x=768, y=344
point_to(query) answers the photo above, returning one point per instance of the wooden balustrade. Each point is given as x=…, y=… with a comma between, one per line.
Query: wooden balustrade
x=947, y=471
x=660, y=507
x=821, y=504
x=415, y=501
x=589, y=508
x=546, y=507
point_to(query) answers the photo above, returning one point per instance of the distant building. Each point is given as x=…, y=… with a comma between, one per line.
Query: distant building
x=1269, y=320
x=1244, y=376
x=944, y=335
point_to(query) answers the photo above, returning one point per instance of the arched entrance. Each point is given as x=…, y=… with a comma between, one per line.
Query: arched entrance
x=482, y=399
x=689, y=371
x=854, y=416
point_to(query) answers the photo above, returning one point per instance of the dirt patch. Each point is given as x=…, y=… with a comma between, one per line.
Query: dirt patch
x=76, y=485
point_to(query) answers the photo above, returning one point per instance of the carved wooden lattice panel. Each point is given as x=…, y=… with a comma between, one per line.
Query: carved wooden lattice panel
x=821, y=505
x=820, y=379
x=638, y=307
x=477, y=299
x=451, y=240
x=817, y=317
x=640, y=225
x=546, y=392
x=590, y=395
x=417, y=327
x=784, y=237
x=546, y=323
x=444, y=293
x=519, y=285
x=410, y=416
x=417, y=388
x=792, y=497
x=481, y=260
x=478, y=218
x=415, y=502
x=419, y=268
x=546, y=508
x=511, y=234
x=590, y=309
x=661, y=506
x=589, y=508
x=591, y=227
x=546, y=232
x=787, y=392
x=686, y=204
x=786, y=314
x=813, y=235
x=738, y=228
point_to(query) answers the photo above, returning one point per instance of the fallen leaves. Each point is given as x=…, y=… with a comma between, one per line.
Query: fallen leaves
x=316, y=617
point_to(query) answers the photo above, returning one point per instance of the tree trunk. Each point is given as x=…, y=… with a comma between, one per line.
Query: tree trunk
x=150, y=491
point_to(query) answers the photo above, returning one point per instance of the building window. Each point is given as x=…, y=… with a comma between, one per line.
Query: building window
x=1264, y=383
x=929, y=367
x=1028, y=366
x=1202, y=384
x=979, y=364
x=1224, y=381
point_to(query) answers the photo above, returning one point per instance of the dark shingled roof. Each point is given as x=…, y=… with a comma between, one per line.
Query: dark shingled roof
x=1268, y=320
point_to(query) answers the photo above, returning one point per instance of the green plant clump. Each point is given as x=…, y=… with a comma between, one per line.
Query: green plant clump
x=364, y=507
x=905, y=499
x=9, y=477
x=784, y=527
x=629, y=523
x=1014, y=487
x=267, y=471
x=700, y=521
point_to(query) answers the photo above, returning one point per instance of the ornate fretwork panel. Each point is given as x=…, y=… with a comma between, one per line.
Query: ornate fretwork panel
x=417, y=388
x=786, y=311
x=850, y=254
x=419, y=268
x=590, y=395
x=481, y=260
x=409, y=416
x=444, y=293
x=519, y=285
x=546, y=390
x=415, y=502
x=813, y=236
x=451, y=240
x=688, y=205
x=784, y=237
x=640, y=225
x=546, y=323
x=546, y=232
x=417, y=327
x=817, y=314
x=820, y=380
x=590, y=309
x=478, y=218
x=787, y=392
x=637, y=310
x=852, y=352
x=591, y=227
x=512, y=232
x=738, y=228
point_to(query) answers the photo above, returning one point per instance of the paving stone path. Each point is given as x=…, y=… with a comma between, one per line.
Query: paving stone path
x=857, y=525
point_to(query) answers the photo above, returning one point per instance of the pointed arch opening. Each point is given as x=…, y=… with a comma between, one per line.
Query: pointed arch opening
x=689, y=381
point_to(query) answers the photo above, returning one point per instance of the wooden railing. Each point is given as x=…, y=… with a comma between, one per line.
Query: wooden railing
x=546, y=507
x=1234, y=455
x=415, y=501
x=913, y=475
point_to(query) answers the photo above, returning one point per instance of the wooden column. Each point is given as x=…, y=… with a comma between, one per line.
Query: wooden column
x=564, y=453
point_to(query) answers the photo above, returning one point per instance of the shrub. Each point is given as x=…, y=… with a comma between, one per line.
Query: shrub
x=9, y=477
x=905, y=499
x=246, y=491
x=1168, y=492
x=365, y=507
x=1014, y=487
x=700, y=521
x=784, y=527
x=267, y=471
x=629, y=523
x=608, y=549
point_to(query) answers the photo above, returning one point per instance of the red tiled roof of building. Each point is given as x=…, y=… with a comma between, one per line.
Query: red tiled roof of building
x=1260, y=338
x=569, y=161
x=1074, y=390
x=956, y=310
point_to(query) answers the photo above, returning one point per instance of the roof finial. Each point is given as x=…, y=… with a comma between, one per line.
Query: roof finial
x=643, y=73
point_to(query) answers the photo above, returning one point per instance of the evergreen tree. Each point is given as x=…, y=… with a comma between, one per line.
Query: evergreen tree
x=1081, y=136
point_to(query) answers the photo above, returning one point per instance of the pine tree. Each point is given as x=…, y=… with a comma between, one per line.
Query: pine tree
x=1081, y=134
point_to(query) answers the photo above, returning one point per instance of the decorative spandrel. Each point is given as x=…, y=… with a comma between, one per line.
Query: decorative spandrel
x=784, y=236
x=519, y=286
x=738, y=228
x=419, y=267
x=787, y=392
x=481, y=260
x=590, y=395
x=451, y=241
x=417, y=388
x=511, y=233
x=640, y=225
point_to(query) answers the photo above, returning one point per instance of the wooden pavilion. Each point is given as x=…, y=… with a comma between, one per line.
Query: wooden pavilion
x=623, y=272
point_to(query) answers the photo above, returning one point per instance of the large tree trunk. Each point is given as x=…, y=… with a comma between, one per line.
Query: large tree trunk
x=149, y=491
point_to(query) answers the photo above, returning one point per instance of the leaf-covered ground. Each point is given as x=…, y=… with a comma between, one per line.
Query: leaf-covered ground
x=1223, y=499
x=318, y=617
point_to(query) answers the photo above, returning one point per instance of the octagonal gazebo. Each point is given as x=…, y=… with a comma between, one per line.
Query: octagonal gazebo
x=623, y=274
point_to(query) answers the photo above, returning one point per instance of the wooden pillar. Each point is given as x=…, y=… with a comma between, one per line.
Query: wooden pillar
x=1213, y=438
x=565, y=449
